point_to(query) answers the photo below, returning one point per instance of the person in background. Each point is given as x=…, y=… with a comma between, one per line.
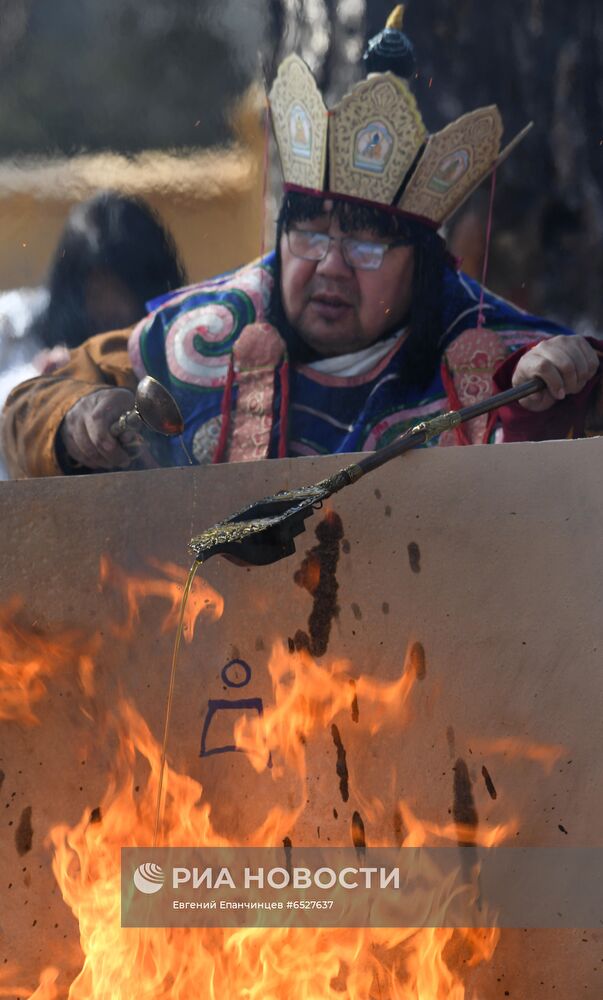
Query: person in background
x=112, y=257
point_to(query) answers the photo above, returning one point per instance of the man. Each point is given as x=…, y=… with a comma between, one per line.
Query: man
x=356, y=327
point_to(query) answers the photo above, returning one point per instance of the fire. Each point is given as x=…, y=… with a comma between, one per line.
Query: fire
x=546, y=755
x=168, y=586
x=257, y=964
x=307, y=698
x=301, y=964
x=28, y=658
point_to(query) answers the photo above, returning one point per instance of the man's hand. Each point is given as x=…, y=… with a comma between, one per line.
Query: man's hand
x=85, y=430
x=565, y=364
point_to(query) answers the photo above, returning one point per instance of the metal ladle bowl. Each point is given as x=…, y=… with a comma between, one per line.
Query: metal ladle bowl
x=154, y=409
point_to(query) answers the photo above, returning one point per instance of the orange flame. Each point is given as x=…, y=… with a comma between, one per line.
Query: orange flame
x=421, y=832
x=297, y=964
x=307, y=698
x=545, y=754
x=29, y=657
x=258, y=964
x=136, y=589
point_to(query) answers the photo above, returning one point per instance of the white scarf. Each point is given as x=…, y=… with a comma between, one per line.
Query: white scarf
x=358, y=362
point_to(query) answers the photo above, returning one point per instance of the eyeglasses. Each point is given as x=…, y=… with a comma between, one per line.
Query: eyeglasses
x=363, y=255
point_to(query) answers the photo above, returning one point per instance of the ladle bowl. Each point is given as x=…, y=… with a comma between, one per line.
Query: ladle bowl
x=154, y=408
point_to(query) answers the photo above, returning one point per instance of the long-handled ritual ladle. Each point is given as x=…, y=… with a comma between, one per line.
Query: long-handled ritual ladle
x=264, y=532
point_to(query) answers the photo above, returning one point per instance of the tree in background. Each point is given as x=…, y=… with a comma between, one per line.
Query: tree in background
x=539, y=60
x=125, y=75
x=84, y=75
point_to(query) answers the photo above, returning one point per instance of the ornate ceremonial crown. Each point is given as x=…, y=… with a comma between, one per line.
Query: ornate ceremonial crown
x=373, y=145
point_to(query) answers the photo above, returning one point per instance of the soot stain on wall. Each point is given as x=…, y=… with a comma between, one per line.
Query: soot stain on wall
x=355, y=708
x=341, y=766
x=24, y=833
x=489, y=783
x=414, y=557
x=358, y=834
x=416, y=660
x=288, y=846
x=317, y=575
x=464, y=812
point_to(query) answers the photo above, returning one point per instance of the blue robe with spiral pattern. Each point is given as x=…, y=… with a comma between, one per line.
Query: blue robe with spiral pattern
x=187, y=340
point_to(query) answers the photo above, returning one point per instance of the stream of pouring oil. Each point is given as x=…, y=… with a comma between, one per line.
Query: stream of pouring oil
x=168, y=707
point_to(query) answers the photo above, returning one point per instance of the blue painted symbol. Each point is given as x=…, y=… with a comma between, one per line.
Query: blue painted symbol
x=229, y=674
x=216, y=706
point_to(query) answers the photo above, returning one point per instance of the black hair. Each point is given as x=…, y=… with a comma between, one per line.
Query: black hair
x=422, y=353
x=115, y=235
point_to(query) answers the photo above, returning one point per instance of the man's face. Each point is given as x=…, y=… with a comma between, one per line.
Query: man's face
x=335, y=308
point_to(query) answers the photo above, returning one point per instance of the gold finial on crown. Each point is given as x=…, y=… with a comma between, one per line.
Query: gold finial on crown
x=396, y=18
